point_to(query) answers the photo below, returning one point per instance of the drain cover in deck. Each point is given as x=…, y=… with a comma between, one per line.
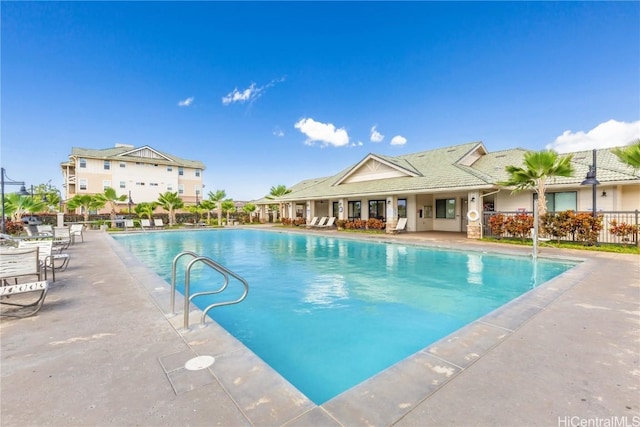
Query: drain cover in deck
x=198, y=363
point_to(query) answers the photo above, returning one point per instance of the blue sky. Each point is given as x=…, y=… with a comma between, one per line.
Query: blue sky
x=271, y=93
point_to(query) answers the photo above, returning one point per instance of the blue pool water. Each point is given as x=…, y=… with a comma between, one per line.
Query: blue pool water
x=328, y=313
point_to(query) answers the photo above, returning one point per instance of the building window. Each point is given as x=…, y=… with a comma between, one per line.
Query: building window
x=402, y=208
x=107, y=165
x=563, y=201
x=153, y=184
x=139, y=183
x=169, y=187
x=180, y=189
x=82, y=163
x=446, y=208
x=198, y=172
x=106, y=184
x=180, y=170
x=83, y=184
x=354, y=210
x=197, y=190
x=377, y=208
x=336, y=209
x=123, y=165
x=169, y=168
x=123, y=184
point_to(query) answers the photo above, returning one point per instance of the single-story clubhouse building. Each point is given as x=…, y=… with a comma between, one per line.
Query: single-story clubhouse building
x=441, y=189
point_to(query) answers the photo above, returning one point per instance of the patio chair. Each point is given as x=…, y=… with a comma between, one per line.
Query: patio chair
x=401, y=226
x=322, y=222
x=128, y=223
x=46, y=255
x=76, y=230
x=61, y=238
x=157, y=223
x=313, y=222
x=44, y=230
x=145, y=223
x=329, y=223
x=16, y=264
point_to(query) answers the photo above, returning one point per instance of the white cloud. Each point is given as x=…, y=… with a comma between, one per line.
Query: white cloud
x=241, y=97
x=398, y=140
x=251, y=93
x=278, y=132
x=187, y=102
x=375, y=135
x=608, y=134
x=325, y=133
x=357, y=144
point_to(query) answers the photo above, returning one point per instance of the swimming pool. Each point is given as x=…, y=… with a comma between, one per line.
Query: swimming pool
x=327, y=312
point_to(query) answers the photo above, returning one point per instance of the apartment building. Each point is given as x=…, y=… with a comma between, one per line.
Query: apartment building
x=141, y=173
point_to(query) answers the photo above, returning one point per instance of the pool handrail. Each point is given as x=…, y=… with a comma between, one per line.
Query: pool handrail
x=173, y=277
x=224, y=271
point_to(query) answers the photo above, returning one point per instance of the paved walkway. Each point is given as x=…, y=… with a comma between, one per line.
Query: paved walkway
x=104, y=351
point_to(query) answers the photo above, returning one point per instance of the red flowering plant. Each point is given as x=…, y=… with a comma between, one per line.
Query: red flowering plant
x=519, y=225
x=622, y=229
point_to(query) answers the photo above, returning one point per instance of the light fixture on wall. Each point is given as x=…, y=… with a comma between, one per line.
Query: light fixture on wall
x=604, y=194
x=473, y=199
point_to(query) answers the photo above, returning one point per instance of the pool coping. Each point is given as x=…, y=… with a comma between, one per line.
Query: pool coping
x=264, y=396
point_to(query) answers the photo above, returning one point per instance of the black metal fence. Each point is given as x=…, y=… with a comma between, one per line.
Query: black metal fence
x=605, y=236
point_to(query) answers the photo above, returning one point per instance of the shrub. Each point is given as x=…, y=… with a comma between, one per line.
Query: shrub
x=623, y=229
x=375, y=224
x=497, y=224
x=14, y=227
x=286, y=221
x=341, y=223
x=519, y=225
x=586, y=228
x=557, y=225
x=299, y=221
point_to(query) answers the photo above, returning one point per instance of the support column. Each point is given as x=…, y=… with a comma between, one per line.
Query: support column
x=474, y=215
x=392, y=214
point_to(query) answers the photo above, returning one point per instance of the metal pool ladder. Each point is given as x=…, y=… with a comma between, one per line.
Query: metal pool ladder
x=224, y=271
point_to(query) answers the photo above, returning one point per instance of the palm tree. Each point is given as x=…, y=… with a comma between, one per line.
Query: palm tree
x=110, y=197
x=629, y=154
x=217, y=198
x=538, y=167
x=87, y=202
x=249, y=209
x=170, y=202
x=275, y=193
x=145, y=209
x=208, y=206
x=228, y=206
x=16, y=205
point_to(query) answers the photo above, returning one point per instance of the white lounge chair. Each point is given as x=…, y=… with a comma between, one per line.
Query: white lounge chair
x=322, y=221
x=77, y=230
x=313, y=222
x=46, y=255
x=61, y=238
x=44, y=230
x=145, y=223
x=157, y=223
x=329, y=223
x=401, y=226
x=128, y=223
x=16, y=264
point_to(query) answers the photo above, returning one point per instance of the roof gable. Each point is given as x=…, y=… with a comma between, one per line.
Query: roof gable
x=145, y=152
x=374, y=167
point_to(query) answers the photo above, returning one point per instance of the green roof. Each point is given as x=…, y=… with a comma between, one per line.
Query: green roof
x=441, y=169
x=128, y=152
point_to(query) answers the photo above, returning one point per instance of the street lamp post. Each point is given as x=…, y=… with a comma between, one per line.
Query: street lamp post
x=130, y=201
x=4, y=180
x=591, y=180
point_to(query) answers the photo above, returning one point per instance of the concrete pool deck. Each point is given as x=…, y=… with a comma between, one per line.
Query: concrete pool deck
x=104, y=350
